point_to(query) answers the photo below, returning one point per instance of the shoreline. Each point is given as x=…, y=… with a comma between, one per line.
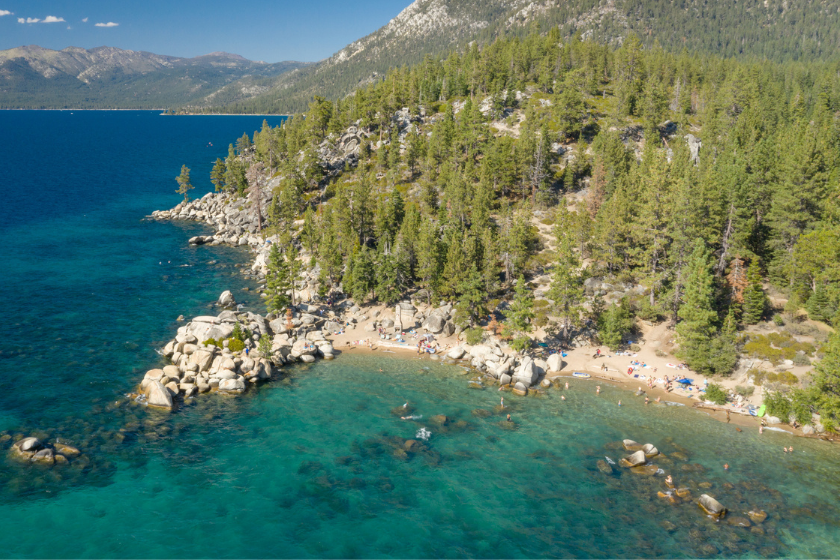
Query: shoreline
x=361, y=323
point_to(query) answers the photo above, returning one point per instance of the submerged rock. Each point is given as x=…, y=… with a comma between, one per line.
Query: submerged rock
x=604, y=467
x=711, y=506
x=631, y=445
x=636, y=459
x=758, y=516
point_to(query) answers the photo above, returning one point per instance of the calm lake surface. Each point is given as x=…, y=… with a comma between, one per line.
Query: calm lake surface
x=318, y=463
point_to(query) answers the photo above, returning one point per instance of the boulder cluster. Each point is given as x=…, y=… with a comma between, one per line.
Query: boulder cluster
x=32, y=449
x=232, y=217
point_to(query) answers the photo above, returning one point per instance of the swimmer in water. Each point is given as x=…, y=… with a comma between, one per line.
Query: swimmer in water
x=563, y=397
x=726, y=466
x=598, y=390
x=658, y=399
x=619, y=403
x=508, y=418
x=669, y=480
x=503, y=402
x=567, y=384
x=785, y=448
x=647, y=400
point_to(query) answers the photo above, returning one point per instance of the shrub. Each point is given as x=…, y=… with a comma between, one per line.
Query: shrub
x=213, y=342
x=521, y=343
x=635, y=348
x=648, y=312
x=264, y=346
x=474, y=336
x=744, y=391
x=778, y=404
x=541, y=320
x=775, y=347
x=715, y=393
x=801, y=359
x=235, y=345
x=777, y=319
x=659, y=353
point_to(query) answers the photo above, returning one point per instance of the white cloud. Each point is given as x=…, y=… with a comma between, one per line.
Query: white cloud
x=28, y=20
x=53, y=19
x=5, y=13
x=109, y=24
x=48, y=19
x=84, y=20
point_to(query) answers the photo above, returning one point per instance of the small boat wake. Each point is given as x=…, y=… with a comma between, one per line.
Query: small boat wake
x=413, y=417
x=423, y=434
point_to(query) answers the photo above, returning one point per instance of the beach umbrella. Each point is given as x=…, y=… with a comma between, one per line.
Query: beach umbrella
x=684, y=381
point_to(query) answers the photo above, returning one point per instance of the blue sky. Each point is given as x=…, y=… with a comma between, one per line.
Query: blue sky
x=269, y=30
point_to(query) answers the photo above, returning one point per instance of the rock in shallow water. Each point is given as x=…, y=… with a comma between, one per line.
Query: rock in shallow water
x=232, y=385
x=158, y=395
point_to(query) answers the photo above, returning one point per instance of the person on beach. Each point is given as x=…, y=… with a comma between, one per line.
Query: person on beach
x=727, y=416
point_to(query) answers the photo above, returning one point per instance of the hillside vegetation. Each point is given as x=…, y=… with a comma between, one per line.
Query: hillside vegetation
x=777, y=30
x=522, y=178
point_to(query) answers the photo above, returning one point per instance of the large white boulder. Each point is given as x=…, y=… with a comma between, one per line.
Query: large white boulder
x=158, y=395
x=527, y=372
x=226, y=299
x=235, y=385
x=555, y=363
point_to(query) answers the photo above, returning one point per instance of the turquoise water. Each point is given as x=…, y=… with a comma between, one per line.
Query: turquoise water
x=314, y=464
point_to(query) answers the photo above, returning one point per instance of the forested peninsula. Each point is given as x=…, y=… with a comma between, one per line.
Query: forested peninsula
x=572, y=193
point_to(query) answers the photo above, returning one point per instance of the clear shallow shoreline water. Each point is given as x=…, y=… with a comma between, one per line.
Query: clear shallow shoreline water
x=312, y=465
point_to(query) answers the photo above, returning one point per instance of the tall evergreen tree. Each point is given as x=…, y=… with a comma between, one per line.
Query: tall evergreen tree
x=755, y=301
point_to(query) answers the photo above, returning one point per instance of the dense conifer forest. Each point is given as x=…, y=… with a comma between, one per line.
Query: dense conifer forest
x=710, y=183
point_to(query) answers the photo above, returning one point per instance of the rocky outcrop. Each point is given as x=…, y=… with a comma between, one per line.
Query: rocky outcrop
x=33, y=450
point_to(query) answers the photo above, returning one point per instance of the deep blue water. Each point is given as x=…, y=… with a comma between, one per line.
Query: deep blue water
x=311, y=465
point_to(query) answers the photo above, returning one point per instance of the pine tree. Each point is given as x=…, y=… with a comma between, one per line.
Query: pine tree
x=471, y=301
x=277, y=281
x=184, y=184
x=755, y=301
x=566, y=289
x=522, y=308
x=824, y=391
x=614, y=323
x=217, y=175
x=697, y=314
x=818, y=305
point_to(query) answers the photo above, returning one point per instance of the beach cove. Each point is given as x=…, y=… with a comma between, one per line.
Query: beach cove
x=318, y=462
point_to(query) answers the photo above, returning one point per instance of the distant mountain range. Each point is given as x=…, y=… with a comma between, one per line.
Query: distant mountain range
x=33, y=77
x=773, y=29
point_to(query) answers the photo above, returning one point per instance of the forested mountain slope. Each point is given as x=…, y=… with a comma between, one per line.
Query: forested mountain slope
x=575, y=190
x=773, y=29
x=108, y=78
